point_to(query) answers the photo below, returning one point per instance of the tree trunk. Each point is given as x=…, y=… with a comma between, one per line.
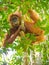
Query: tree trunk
x=32, y=58
x=25, y=58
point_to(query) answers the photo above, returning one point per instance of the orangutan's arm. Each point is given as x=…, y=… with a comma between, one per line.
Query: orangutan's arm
x=34, y=15
x=10, y=38
x=13, y=36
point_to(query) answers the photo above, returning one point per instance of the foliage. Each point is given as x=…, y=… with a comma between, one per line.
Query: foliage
x=10, y=6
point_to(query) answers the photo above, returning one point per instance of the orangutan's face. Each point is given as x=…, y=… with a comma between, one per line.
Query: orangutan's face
x=14, y=20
